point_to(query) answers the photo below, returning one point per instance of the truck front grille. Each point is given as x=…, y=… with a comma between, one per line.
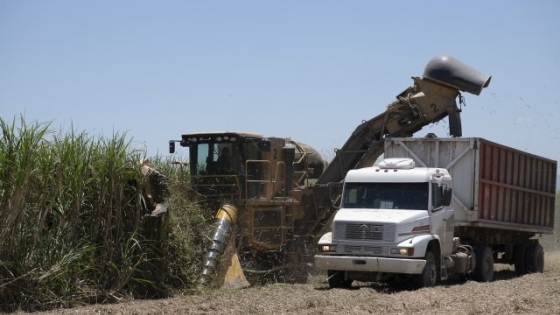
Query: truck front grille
x=357, y=249
x=360, y=231
x=365, y=231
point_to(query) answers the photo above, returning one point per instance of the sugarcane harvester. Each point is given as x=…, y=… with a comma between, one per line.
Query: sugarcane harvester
x=259, y=186
x=274, y=195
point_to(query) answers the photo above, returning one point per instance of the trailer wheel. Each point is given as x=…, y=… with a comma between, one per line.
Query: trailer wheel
x=484, y=270
x=428, y=278
x=534, y=258
x=519, y=255
x=337, y=280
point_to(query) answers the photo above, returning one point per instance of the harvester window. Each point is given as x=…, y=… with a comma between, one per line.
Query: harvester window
x=201, y=158
x=215, y=158
x=252, y=152
x=224, y=163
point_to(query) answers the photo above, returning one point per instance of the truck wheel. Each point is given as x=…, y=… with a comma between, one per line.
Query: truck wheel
x=428, y=278
x=534, y=258
x=337, y=280
x=484, y=270
x=519, y=258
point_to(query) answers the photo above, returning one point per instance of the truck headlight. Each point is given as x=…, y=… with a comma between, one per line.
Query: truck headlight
x=405, y=251
x=327, y=248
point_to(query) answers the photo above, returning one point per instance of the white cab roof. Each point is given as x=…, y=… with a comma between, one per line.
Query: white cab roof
x=396, y=175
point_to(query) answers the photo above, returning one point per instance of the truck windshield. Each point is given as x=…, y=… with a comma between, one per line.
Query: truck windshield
x=412, y=196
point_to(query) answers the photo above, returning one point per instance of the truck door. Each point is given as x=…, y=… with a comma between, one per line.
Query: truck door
x=441, y=219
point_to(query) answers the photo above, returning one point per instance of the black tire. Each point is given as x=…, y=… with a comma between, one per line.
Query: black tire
x=484, y=270
x=534, y=258
x=429, y=276
x=519, y=259
x=337, y=280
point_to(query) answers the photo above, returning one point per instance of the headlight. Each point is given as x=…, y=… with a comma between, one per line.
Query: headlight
x=327, y=248
x=405, y=251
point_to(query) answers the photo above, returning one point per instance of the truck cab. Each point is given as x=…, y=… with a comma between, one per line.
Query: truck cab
x=395, y=222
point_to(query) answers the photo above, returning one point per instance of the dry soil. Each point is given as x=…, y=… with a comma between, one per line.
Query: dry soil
x=508, y=294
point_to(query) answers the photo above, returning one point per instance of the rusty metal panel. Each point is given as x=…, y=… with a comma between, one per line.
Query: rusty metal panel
x=493, y=185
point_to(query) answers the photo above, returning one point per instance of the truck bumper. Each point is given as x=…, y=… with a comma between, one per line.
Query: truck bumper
x=370, y=264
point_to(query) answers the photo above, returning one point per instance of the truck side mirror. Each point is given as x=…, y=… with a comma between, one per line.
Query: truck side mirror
x=171, y=146
x=447, y=195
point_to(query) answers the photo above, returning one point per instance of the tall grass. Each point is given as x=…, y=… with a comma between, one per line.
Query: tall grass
x=73, y=224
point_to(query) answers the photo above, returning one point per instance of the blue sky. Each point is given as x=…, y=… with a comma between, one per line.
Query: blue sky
x=309, y=70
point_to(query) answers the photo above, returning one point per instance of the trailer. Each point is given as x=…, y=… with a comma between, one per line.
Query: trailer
x=501, y=196
x=439, y=206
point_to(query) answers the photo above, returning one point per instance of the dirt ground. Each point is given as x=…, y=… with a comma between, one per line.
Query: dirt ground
x=530, y=294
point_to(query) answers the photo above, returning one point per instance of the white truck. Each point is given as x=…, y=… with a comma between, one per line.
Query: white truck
x=435, y=207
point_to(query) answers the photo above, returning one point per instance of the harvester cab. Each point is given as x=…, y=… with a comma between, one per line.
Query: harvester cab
x=240, y=166
x=217, y=162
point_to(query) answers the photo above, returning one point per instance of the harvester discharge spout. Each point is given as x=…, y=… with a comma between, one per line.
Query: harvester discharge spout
x=221, y=263
x=451, y=72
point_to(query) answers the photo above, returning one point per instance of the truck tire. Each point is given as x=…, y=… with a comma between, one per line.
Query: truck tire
x=337, y=280
x=534, y=258
x=428, y=278
x=484, y=270
x=519, y=259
